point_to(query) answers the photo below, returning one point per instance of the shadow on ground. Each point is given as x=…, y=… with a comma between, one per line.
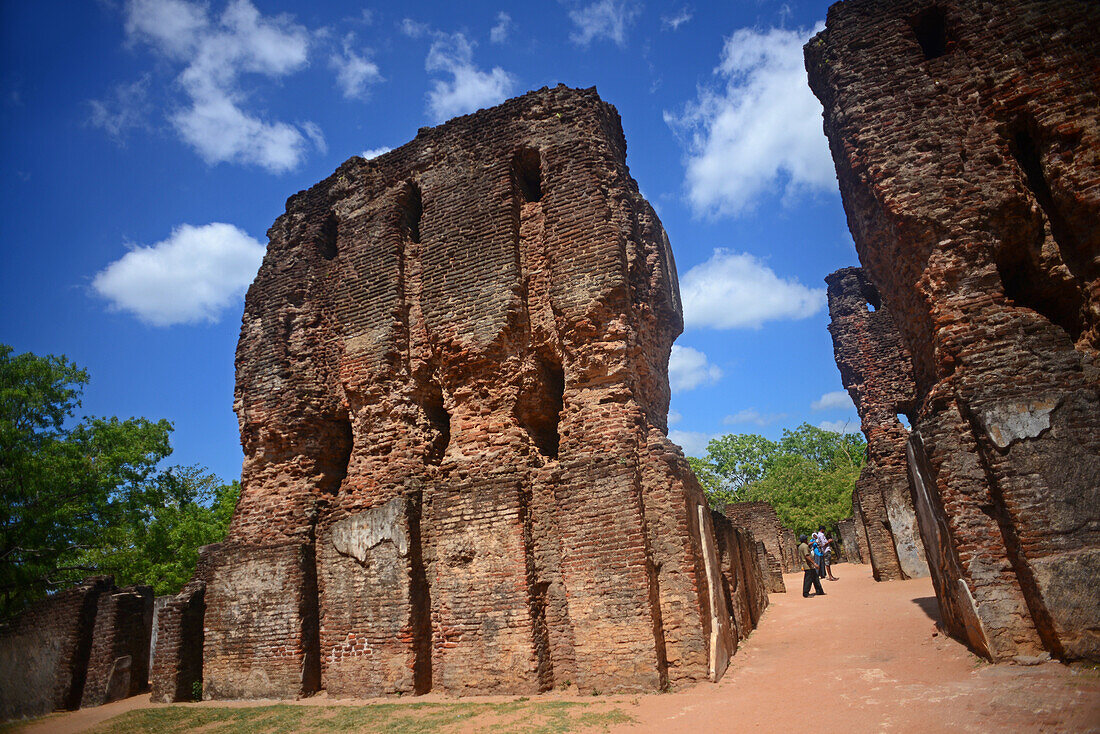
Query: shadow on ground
x=929, y=606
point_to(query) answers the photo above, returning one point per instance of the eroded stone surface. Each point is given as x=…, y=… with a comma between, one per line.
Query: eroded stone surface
x=966, y=138
x=875, y=368
x=779, y=549
x=452, y=391
x=44, y=651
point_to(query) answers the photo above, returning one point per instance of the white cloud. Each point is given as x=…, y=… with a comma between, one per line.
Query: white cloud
x=674, y=417
x=469, y=88
x=693, y=443
x=754, y=416
x=839, y=426
x=123, y=111
x=412, y=28
x=190, y=277
x=215, y=53
x=688, y=369
x=736, y=290
x=831, y=400
x=604, y=19
x=674, y=21
x=354, y=72
x=375, y=152
x=499, y=32
x=757, y=132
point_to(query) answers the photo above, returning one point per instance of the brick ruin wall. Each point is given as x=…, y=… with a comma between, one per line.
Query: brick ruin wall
x=875, y=368
x=966, y=138
x=779, y=555
x=44, y=652
x=452, y=393
x=118, y=666
x=177, y=654
x=83, y=646
x=745, y=590
x=850, y=540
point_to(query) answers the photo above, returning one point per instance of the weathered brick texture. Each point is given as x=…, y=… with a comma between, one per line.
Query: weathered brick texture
x=779, y=556
x=966, y=137
x=744, y=586
x=44, y=651
x=849, y=539
x=177, y=657
x=452, y=392
x=875, y=368
x=118, y=666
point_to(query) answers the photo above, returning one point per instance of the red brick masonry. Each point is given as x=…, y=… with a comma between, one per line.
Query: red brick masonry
x=966, y=137
x=452, y=391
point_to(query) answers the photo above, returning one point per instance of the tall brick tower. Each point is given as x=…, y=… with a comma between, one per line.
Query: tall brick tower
x=452, y=392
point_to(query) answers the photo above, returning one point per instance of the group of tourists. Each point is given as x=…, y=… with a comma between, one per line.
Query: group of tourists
x=816, y=556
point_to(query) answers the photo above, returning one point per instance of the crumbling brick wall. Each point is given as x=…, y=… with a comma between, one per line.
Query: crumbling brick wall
x=177, y=659
x=118, y=666
x=849, y=538
x=744, y=588
x=44, y=651
x=762, y=521
x=966, y=137
x=875, y=368
x=452, y=392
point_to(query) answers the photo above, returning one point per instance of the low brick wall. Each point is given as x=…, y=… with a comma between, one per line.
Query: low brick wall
x=118, y=666
x=177, y=661
x=44, y=652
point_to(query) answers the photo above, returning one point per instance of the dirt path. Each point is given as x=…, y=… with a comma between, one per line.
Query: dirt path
x=861, y=659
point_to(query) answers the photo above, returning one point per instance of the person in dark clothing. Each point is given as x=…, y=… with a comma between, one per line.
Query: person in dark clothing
x=809, y=577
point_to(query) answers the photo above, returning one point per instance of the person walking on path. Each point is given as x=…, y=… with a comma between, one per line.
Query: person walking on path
x=809, y=572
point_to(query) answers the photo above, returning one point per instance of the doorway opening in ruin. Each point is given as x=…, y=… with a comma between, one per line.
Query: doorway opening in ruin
x=412, y=208
x=930, y=28
x=1025, y=283
x=527, y=170
x=540, y=405
x=326, y=240
x=439, y=422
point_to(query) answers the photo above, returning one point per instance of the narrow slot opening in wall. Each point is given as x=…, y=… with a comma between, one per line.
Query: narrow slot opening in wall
x=903, y=419
x=412, y=206
x=439, y=423
x=327, y=240
x=1024, y=282
x=334, y=454
x=930, y=28
x=540, y=406
x=420, y=600
x=527, y=169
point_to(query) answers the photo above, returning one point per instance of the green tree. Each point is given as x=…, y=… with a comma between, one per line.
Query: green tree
x=159, y=545
x=80, y=500
x=808, y=475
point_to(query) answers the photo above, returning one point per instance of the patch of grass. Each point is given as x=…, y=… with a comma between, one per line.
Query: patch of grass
x=521, y=716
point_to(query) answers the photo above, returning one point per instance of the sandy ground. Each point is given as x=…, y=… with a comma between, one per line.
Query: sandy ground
x=863, y=658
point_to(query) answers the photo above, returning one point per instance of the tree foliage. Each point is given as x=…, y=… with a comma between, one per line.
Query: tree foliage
x=90, y=498
x=807, y=476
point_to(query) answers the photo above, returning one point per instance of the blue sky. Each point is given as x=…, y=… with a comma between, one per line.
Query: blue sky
x=146, y=146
